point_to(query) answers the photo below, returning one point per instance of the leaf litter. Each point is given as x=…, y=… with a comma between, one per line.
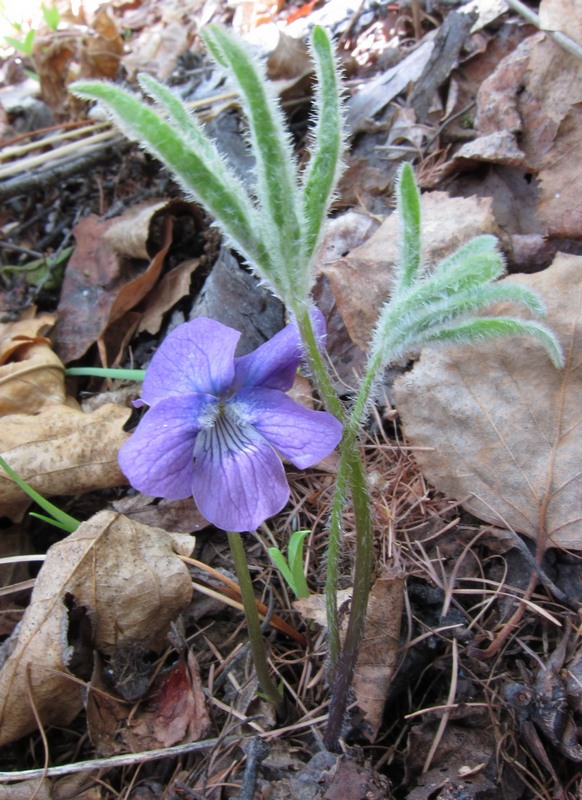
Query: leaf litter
x=473, y=461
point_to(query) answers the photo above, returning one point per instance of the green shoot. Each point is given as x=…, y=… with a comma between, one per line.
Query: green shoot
x=57, y=517
x=445, y=304
x=52, y=16
x=45, y=272
x=292, y=568
x=24, y=45
x=104, y=372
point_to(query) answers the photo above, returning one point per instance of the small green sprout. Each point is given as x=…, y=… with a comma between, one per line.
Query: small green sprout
x=60, y=519
x=45, y=272
x=24, y=45
x=24, y=42
x=291, y=568
x=52, y=16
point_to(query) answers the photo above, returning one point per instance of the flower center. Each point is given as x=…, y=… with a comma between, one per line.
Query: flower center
x=226, y=435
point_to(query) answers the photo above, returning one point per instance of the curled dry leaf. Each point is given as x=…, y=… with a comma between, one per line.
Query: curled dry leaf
x=31, y=375
x=132, y=584
x=44, y=436
x=103, y=280
x=501, y=425
x=76, y=51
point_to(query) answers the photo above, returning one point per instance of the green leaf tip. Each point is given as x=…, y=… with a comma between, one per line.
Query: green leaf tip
x=483, y=328
x=200, y=170
x=59, y=518
x=326, y=162
x=292, y=569
x=408, y=209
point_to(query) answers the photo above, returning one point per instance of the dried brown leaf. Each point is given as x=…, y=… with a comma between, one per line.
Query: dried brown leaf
x=157, y=48
x=174, y=710
x=103, y=281
x=171, y=515
x=31, y=375
x=132, y=584
x=562, y=15
x=289, y=59
x=61, y=450
x=379, y=653
x=76, y=51
x=559, y=206
x=529, y=95
x=169, y=291
x=501, y=425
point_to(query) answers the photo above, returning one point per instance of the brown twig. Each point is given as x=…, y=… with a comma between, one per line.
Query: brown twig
x=560, y=38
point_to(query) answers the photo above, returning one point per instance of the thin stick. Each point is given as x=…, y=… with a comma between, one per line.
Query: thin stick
x=450, y=704
x=125, y=760
x=560, y=38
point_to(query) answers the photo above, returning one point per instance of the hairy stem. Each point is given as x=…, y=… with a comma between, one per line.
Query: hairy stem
x=253, y=624
x=344, y=669
x=352, y=477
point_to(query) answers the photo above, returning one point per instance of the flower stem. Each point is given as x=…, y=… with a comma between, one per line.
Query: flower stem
x=334, y=405
x=352, y=476
x=345, y=666
x=317, y=365
x=254, y=625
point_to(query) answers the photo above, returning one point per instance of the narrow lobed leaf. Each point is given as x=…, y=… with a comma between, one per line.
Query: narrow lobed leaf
x=444, y=310
x=277, y=191
x=324, y=168
x=201, y=179
x=482, y=328
x=479, y=258
x=408, y=200
x=185, y=124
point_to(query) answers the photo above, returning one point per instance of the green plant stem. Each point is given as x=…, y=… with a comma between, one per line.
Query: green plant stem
x=333, y=554
x=253, y=624
x=344, y=669
x=104, y=372
x=317, y=365
x=334, y=405
x=351, y=476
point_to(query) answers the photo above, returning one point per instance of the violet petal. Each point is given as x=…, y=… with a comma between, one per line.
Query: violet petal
x=158, y=458
x=301, y=435
x=238, y=479
x=274, y=364
x=197, y=356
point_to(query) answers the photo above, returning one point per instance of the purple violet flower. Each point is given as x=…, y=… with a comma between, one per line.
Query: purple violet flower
x=217, y=423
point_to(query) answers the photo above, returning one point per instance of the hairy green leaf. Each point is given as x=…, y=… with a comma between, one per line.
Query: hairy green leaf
x=323, y=170
x=276, y=191
x=481, y=328
x=199, y=177
x=408, y=199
